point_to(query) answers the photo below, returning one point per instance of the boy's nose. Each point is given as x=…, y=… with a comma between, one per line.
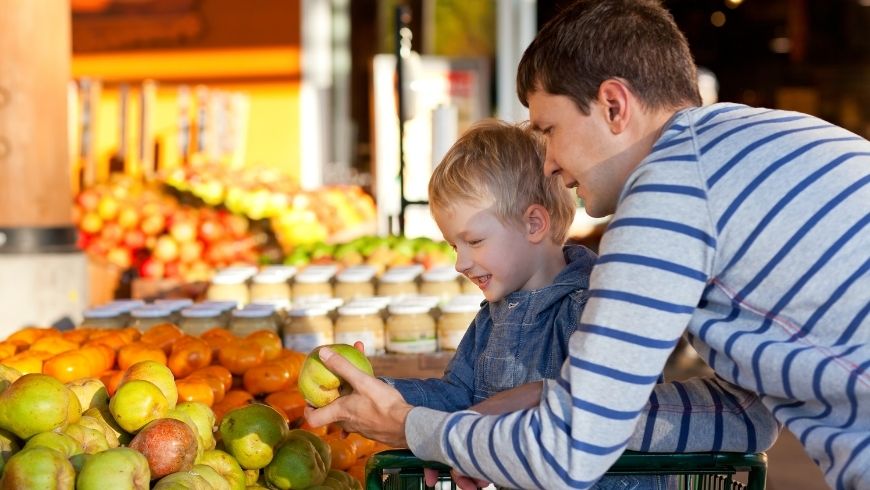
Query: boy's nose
x=463, y=263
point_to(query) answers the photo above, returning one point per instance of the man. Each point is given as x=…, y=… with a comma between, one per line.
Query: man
x=748, y=227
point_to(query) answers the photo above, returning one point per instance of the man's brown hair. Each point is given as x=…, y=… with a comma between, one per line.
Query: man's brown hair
x=591, y=41
x=502, y=162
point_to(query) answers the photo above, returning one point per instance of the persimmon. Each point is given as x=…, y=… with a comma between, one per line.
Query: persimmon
x=217, y=338
x=232, y=399
x=138, y=351
x=343, y=453
x=188, y=354
x=268, y=377
x=70, y=365
x=162, y=335
x=20, y=345
x=102, y=357
x=318, y=431
x=364, y=445
x=54, y=344
x=112, y=379
x=78, y=335
x=269, y=341
x=216, y=385
x=27, y=362
x=115, y=340
x=30, y=335
x=7, y=350
x=290, y=401
x=219, y=372
x=130, y=333
x=194, y=390
x=358, y=471
x=241, y=355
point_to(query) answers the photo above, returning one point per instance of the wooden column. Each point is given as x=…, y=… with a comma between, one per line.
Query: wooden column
x=34, y=70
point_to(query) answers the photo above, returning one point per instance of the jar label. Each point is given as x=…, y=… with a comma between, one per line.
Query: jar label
x=418, y=346
x=305, y=342
x=372, y=344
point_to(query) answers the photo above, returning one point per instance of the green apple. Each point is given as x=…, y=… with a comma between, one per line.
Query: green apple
x=182, y=480
x=104, y=416
x=319, y=444
x=156, y=373
x=203, y=416
x=296, y=465
x=136, y=403
x=92, y=440
x=120, y=468
x=318, y=384
x=213, y=478
x=63, y=443
x=250, y=434
x=36, y=403
x=226, y=466
x=91, y=392
x=39, y=467
x=100, y=426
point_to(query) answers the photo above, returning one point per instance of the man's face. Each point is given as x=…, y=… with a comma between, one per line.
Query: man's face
x=580, y=148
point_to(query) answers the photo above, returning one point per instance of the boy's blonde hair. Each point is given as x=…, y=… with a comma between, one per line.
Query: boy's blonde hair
x=503, y=162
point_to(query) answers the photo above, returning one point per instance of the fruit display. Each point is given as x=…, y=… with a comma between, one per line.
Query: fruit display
x=133, y=224
x=379, y=252
x=116, y=408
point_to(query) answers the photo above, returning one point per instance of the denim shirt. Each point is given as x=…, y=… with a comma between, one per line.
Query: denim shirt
x=520, y=339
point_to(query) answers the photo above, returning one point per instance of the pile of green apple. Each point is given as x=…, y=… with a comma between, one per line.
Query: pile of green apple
x=381, y=252
x=65, y=436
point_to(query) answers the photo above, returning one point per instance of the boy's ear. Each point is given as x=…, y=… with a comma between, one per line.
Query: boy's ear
x=537, y=223
x=615, y=97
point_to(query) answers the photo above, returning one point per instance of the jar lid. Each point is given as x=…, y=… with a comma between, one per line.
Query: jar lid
x=246, y=271
x=287, y=271
x=125, y=305
x=269, y=278
x=419, y=299
x=399, y=275
x=228, y=279
x=101, y=312
x=330, y=268
x=440, y=274
x=356, y=274
x=328, y=304
x=253, y=313
x=358, y=310
x=275, y=304
x=378, y=301
x=222, y=305
x=150, y=311
x=408, y=309
x=460, y=307
x=417, y=269
x=174, y=304
x=308, y=311
x=200, y=313
x=309, y=276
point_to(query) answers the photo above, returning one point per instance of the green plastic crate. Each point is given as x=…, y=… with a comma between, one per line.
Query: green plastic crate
x=398, y=469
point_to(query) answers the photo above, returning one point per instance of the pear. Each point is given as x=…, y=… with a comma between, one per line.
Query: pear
x=250, y=434
x=37, y=403
x=318, y=384
x=39, y=467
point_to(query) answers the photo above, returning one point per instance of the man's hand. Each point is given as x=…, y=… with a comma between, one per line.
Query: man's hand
x=374, y=409
x=513, y=400
x=430, y=477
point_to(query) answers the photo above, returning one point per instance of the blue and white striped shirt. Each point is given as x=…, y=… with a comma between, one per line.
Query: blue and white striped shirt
x=749, y=228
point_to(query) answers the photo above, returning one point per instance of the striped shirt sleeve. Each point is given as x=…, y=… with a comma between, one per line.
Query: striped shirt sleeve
x=656, y=259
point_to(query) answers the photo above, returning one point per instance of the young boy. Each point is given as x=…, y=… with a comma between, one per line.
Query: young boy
x=508, y=224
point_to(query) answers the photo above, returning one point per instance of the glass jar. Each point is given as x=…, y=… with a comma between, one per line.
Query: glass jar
x=355, y=282
x=312, y=284
x=397, y=283
x=147, y=316
x=441, y=282
x=249, y=320
x=307, y=328
x=228, y=287
x=196, y=321
x=175, y=305
x=379, y=302
x=286, y=271
x=362, y=323
x=456, y=317
x=271, y=288
x=103, y=317
x=410, y=329
x=226, y=308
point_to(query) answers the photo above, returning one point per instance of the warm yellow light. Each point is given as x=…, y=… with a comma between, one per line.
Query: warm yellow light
x=717, y=19
x=733, y=4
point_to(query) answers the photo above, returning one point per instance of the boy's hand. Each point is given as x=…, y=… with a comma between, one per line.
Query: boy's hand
x=374, y=408
x=513, y=400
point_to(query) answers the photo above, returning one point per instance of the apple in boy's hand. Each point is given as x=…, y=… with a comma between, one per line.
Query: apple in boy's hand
x=318, y=384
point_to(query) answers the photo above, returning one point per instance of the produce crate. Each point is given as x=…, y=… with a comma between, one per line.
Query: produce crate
x=398, y=469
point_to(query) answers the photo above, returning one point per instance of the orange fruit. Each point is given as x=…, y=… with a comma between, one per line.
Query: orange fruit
x=138, y=351
x=221, y=373
x=241, y=355
x=188, y=354
x=27, y=362
x=364, y=446
x=216, y=385
x=290, y=401
x=30, y=335
x=162, y=335
x=102, y=357
x=232, y=399
x=318, y=431
x=69, y=365
x=54, y=344
x=343, y=453
x=267, y=378
x=7, y=350
x=78, y=335
x=269, y=341
x=112, y=379
x=194, y=390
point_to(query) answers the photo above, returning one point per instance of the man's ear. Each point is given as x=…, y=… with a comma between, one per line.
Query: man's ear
x=537, y=223
x=615, y=99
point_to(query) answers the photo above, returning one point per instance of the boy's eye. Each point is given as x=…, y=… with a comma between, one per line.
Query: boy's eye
x=474, y=242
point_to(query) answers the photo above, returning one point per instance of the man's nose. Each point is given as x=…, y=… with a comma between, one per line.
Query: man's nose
x=550, y=165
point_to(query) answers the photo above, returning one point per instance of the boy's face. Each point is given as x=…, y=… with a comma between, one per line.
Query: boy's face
x=580, y=148
x=498, y=258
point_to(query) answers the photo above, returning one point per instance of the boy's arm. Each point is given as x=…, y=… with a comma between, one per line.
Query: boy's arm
x=629, y=327
x=455, y=390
